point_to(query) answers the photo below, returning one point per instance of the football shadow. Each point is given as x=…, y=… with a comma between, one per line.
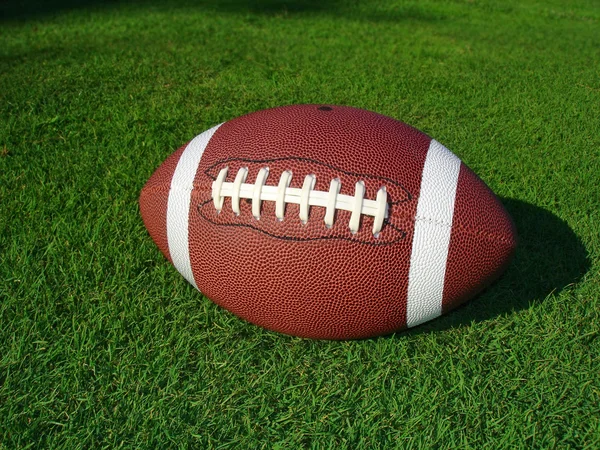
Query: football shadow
x=549, y=258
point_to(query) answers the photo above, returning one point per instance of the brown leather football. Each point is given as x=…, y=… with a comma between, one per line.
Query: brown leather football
x=327, y=222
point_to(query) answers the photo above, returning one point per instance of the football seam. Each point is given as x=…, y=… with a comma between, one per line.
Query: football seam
x=462, y=228
x=491, y=236
x=376, y=243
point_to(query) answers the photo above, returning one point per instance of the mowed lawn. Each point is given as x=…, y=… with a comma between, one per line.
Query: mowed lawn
x=104, y=345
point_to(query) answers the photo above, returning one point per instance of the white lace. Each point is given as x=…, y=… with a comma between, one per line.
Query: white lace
x=305, y=197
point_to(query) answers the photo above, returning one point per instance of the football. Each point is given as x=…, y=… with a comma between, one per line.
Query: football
x=327, y=222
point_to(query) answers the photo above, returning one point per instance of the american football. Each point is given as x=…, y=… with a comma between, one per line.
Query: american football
x=327, y=222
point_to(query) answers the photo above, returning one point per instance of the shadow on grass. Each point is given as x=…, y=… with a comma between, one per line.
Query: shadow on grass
x=38, y=9
x=549, y=258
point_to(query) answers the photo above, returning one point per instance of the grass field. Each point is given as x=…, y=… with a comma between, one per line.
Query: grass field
x=104, y=345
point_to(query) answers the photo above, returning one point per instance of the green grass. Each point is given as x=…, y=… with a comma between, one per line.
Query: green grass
x=104, y=344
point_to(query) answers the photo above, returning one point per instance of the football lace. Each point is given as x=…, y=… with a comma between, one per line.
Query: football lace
x=306, y=197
